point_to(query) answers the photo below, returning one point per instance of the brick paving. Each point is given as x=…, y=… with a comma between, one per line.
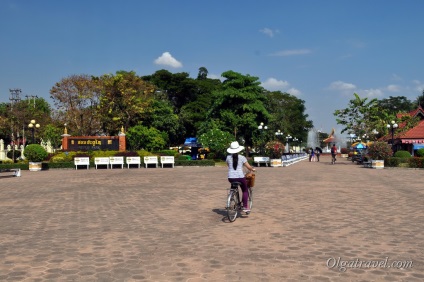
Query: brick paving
x=169, y=225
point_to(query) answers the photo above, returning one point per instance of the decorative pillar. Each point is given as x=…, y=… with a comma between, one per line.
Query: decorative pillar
x=122, y=140
x=2, y=152
x=65, y=137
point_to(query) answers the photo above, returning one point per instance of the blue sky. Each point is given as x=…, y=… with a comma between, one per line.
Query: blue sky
x=320, y=51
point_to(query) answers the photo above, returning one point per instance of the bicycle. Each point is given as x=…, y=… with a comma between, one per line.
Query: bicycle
x=234, y=202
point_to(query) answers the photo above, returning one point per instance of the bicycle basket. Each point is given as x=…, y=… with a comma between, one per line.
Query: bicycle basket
x=250, y=179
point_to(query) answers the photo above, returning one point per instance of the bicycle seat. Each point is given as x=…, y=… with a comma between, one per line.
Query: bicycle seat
x=235, y=185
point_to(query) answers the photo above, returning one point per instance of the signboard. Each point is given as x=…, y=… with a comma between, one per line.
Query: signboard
x=93, y=143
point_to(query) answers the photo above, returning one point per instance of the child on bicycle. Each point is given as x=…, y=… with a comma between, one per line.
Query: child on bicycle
x=235, y=163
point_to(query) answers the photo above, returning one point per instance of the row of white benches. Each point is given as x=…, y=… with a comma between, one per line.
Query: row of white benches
x=286, y=160
x=109, y=162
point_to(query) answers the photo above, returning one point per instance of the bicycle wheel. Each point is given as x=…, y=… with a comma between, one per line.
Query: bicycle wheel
x=232, y=206
x=250, y=197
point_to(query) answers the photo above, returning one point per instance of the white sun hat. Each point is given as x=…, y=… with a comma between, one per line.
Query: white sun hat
x=235, y=148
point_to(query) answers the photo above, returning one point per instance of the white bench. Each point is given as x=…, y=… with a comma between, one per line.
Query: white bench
x=101, y=161
x=285, y=159
x=133, y=161
x=151, y=160
x=82, y=161
x=261, y=160
x=167, y=160
x=116, y=161
x=16, y=171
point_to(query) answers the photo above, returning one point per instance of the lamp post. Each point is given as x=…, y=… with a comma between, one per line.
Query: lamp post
x=288, y=137
x=278, y=134
x=295, y=141
x=32, y=126
x=261, y=128
x=392, y=126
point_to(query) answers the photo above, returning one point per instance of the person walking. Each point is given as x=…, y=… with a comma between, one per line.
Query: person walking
x=312, y=155
x=333, y=154
x=317, y=153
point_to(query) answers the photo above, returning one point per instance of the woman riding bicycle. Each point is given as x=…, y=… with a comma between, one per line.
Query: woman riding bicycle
x=235, y=163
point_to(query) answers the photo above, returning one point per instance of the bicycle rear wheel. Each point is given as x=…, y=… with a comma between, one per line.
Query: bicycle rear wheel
x=232, y=206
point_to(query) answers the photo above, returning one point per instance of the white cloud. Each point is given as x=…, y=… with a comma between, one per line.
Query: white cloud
x=215, y=76
x=419, y=86
x=342, y=86
x=273, y=84
x=294, y=91
x=166, y=59
x=393, y=88
x=293, y=52
x=267, y=31
x=372, y=93
x=396, y=77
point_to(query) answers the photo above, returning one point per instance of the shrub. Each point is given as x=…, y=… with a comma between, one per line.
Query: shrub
x=402, y=154
x=380, y=150
x=416, y=162
x=274, y=149
x=173, y=153
x=344, y=151
x=420, y=152
x=35, y=153
x=127, y=154
x=393, y=162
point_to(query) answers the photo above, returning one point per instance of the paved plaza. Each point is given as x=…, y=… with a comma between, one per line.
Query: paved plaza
x=311, y=221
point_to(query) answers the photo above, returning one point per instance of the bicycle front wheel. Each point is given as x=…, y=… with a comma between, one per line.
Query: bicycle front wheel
x=250, y=197
x=232, y=206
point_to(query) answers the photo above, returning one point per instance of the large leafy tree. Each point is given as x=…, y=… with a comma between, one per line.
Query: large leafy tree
x=14, y=119
x=194, y=113
x=179, y=88
x=287, y=114
x=394, y=105
x=125, y=100
x=147, y=138
x=360, y=117
x=239, y=106
x=76, y=99
x=371, y=117
x=163, y=118
x=420, y=100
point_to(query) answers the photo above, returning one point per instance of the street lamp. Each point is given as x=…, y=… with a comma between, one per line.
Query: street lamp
x=261, y=128
x=32, y=126
x=288, y=137
x=295, y=141
x=278, y=134
x=392, y=126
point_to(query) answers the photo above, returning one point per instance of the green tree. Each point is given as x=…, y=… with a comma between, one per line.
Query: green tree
x=287, y=114
x=142, y=137
x=420, y=100
x=53, y=134
x=394, y=105
x=163, y=118
x=217, y=141
x=179, y=88
x=76, y=99
x=238, y=107
x=361, y=116
x=125, y=100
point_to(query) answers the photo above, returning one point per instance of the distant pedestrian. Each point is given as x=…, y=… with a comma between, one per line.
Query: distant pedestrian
x=312, y=155
x=317, y=153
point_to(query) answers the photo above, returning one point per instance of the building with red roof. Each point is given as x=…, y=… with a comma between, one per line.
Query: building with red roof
x=412, y=139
